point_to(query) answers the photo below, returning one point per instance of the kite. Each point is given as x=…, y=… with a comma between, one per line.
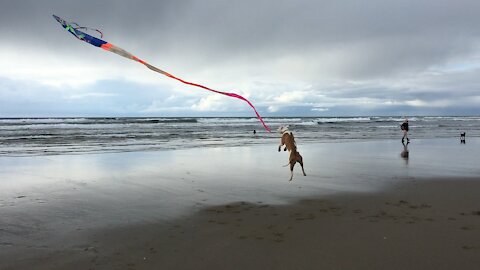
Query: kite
x=73, y=28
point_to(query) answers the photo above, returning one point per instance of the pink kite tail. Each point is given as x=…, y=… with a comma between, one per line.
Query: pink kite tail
x=223, y=93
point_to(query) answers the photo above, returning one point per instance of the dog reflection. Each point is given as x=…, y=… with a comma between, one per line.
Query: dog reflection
x=404, y=154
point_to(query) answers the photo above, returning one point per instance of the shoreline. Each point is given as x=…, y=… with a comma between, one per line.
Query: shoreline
x=30, y=137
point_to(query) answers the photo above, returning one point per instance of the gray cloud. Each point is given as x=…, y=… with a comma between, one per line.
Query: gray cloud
x=382, y=51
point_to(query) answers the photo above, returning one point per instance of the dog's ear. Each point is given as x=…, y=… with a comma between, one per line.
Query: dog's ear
x=282, y=129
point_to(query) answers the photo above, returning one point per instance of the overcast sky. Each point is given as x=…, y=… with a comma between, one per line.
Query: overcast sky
x=289, y=58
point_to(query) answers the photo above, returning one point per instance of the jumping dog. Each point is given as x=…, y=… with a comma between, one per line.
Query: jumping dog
x=288, y=140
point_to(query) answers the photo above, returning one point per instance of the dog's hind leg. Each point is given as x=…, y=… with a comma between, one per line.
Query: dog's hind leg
x=292, y=164
x=301, y=164
x=300, y=160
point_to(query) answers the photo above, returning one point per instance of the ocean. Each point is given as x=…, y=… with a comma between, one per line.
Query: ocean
x=54, y=136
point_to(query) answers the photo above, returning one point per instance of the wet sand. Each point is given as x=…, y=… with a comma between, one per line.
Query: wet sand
x=362, y=205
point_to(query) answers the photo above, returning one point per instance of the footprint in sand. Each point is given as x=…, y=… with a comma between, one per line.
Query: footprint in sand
x=306, y=217
x=467, y=247
x=476, y=213
x=91, y=249
x=215, y=211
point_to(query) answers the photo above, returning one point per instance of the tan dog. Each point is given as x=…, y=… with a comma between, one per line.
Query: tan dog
x=289, y=141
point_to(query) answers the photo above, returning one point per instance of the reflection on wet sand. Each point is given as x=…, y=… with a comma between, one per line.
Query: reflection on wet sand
x=405, y=153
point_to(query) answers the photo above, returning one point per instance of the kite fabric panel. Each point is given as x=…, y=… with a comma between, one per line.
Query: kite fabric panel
x=112, y=48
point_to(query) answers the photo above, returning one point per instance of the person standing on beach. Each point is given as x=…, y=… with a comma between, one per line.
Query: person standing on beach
x=404, y=127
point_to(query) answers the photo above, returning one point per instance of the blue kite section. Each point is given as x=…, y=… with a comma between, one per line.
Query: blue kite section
x=90, y=39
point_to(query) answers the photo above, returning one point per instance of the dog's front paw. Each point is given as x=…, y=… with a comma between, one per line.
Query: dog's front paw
x=285, y=149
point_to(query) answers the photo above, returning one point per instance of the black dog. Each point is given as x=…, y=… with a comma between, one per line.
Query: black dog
x=462, y=137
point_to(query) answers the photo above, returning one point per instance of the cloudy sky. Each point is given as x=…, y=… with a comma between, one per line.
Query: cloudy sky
x=289, y=58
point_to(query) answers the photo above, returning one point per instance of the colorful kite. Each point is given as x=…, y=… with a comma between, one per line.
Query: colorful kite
x=112, y=48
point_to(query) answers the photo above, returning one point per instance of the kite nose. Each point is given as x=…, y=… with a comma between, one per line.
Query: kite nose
x=57, y=18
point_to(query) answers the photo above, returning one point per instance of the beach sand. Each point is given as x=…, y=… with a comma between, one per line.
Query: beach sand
x=362, y=205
